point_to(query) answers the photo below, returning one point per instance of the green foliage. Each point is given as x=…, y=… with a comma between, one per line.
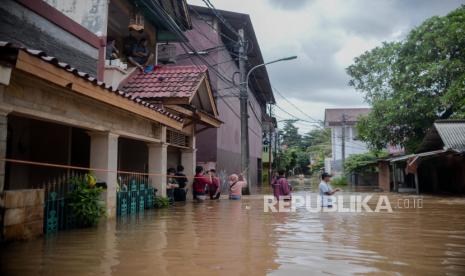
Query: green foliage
x=290, y=136
x=357, y=163
x=339, y=181
x=86, y=202
x=412, y=83
x=318, y=146
x=161, y=202
x=313, y=146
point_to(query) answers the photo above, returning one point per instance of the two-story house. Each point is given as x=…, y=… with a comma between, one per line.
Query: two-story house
x=344, y=135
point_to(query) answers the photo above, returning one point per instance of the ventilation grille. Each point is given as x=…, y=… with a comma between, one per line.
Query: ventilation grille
x=176, y=138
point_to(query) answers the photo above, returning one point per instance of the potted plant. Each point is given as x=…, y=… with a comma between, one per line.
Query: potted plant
x=85, y=200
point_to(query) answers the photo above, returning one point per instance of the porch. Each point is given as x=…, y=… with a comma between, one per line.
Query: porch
x=54, y=120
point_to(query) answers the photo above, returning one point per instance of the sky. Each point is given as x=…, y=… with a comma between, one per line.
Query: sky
x=326, y=35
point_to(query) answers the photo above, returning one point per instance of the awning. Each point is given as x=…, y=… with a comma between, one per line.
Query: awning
x=184, y=90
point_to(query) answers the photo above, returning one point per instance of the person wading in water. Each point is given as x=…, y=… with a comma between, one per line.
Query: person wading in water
x=326, y=190
x=214, y=188
x=235, y=186
x=281, y=187
x=201, y=181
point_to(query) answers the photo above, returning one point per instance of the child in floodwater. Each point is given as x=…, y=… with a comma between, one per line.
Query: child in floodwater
x=171, y=185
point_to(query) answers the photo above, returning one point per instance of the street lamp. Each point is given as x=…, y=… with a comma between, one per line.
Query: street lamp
x=245, y=154
x=265, y=64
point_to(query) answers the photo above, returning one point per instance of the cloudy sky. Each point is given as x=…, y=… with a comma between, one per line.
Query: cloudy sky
x=326, y=35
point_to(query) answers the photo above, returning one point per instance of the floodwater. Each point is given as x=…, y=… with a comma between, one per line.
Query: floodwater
x=238, y=238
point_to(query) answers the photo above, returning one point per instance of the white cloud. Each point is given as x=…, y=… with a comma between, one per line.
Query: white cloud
x=326, y=35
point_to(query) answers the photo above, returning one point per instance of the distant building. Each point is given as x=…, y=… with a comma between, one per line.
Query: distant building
x=344, y=143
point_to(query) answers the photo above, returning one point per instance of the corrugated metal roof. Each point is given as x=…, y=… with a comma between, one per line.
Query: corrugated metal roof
x=66, y=67
x=452, y=133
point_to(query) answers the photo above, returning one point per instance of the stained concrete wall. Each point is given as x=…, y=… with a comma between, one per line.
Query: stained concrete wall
x=20, y=25
x=91, y=14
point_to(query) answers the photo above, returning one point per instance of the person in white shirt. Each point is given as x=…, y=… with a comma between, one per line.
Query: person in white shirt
x=326, y=190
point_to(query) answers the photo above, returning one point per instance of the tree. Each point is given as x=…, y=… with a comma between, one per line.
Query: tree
x=357, y=163
x=290, y=134
x=298, y=150
x=412, y=83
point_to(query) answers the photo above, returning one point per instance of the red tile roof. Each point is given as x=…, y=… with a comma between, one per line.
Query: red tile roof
x=66, y=67
x=166, y=82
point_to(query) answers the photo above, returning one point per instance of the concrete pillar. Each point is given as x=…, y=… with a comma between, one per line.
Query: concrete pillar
x=3, y=145
x=104, y=155
x=383, y=176
x=158, y=159
x=188, y=161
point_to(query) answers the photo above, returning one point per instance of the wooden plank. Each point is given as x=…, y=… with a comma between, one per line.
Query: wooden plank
x=209, y=120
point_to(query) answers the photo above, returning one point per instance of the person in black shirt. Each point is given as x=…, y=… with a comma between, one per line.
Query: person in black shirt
x=181, y=179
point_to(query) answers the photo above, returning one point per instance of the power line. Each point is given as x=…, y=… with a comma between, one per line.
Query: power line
x=297, y=118
x=220, y=17
x=295, y=106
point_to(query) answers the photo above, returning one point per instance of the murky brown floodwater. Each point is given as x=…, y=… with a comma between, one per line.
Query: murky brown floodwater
x=238, y=238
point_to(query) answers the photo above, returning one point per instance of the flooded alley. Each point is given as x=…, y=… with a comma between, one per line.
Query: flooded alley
x=238, y=238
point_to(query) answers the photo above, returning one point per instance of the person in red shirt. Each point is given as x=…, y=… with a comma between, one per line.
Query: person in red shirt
x=214, y=187
x=281, y=187
x=200, y=182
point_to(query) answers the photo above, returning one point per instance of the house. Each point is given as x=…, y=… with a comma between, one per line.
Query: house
x=344, y=136
x=438, y=165
x=215, y=44
x=57, y=115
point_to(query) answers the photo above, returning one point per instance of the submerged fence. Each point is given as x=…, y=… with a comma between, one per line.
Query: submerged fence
x=58, y=214
x=134, y=194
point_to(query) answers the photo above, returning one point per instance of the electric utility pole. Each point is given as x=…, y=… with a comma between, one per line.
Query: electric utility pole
x=343, y=140
x=270, y=147
x=244, y=95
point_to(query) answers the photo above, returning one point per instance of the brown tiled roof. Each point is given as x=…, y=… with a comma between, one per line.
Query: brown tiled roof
x=166, y=82
x=333, y=116
x=66, y=67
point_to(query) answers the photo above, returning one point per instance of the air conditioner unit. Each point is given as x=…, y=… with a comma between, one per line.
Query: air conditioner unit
x=166, y=53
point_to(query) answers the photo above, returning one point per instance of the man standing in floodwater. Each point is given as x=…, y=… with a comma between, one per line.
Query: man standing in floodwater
x=326, y=190
x=201, y=181
x=281, y=187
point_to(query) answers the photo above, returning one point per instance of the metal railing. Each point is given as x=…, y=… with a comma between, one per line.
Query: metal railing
x=134, y=194
x=58, y=214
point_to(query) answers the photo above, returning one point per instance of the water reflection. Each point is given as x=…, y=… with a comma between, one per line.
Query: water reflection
x=237, y=238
